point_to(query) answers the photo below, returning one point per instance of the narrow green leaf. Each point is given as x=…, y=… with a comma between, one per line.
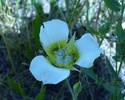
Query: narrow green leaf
x=67, y=3
x=29, y=51
x=100, y=81
x=109, y=87
x=120, y=33
x=39, y=9
x=91, y=30
x=104, y=28
x=114, y=5
x=121, y=84
x=52, y=3
x=36, y=31
x=118, y=96
x=16, y=86
x=90, y=72
x=110, y=67
x=38, y=6
x=70, y=45
x=77, y=87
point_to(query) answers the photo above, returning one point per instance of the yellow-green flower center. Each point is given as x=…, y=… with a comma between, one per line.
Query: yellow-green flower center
x=62, y=56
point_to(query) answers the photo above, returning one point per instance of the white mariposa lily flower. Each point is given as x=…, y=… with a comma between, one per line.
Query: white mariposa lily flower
x=62, y=55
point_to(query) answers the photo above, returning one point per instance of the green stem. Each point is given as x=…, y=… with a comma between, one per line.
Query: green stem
x=70, y=21
x=122, y=11
x=9, y=54
x=67, y=6
x=116, y=73
x=97, y=18
x=89, y=88
x=28, y=36
x=71, y=91
x=118, y=69
x=42, y=87
x=63, y=16
x=87, y=15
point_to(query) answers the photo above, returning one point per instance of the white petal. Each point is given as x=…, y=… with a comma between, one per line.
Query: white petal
x=88, y=50
x=123, y=25
x=43, y=71
x=53, y=31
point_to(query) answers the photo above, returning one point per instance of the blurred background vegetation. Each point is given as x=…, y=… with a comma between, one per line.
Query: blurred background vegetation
x=20, y=22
